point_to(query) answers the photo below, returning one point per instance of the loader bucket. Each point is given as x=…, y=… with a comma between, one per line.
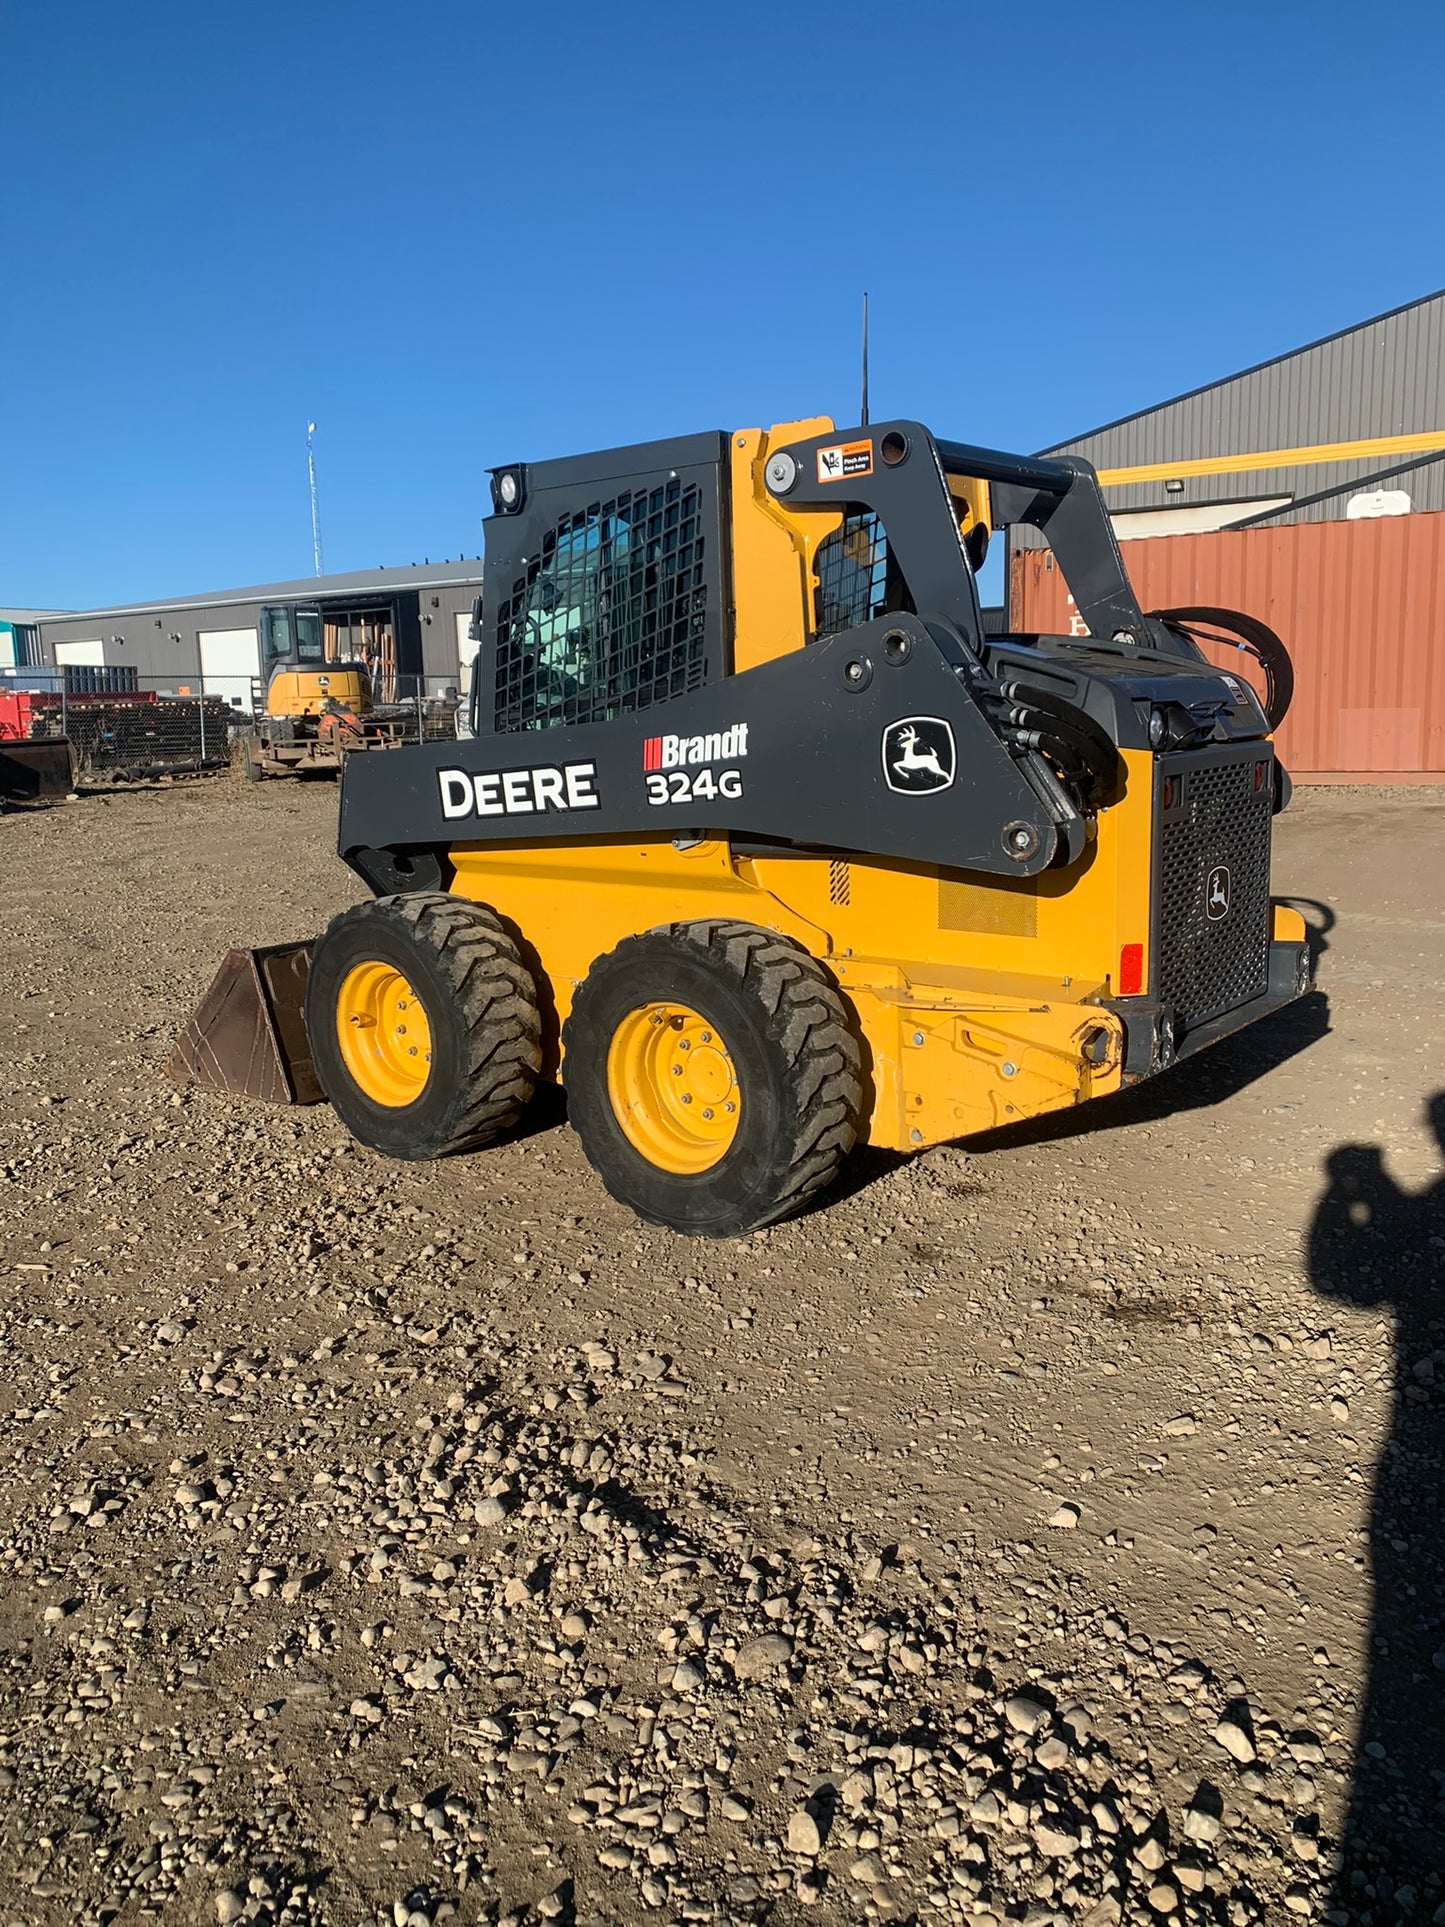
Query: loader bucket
x=37, y=772
x=249, y=1034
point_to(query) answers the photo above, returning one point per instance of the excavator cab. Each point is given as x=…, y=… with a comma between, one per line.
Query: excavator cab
x=300, y=681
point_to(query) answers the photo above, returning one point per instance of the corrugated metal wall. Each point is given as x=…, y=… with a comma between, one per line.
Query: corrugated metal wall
x=1359, y=605
x=143, y=636
x=1384, y=377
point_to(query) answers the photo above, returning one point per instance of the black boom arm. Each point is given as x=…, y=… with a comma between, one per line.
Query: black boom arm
x=872, y=742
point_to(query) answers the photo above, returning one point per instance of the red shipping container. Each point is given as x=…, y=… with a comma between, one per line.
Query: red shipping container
x=1359, y=605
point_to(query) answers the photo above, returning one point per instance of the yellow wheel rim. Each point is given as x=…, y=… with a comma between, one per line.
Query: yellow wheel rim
x=384, y=1035
x=673, y=1087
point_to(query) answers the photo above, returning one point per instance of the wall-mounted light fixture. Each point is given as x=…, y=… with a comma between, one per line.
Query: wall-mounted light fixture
x=1174, y=488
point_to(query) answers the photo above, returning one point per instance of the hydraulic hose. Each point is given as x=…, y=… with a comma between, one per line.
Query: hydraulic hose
x=1247, y=633
x=1089, y=747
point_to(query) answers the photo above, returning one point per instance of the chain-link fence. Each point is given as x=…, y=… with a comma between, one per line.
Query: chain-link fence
x=123, y=732
x=423, y=709
x=434, y=701
x=131, y=734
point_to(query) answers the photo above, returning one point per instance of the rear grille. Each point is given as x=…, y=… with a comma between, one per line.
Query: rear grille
x=1213, y=883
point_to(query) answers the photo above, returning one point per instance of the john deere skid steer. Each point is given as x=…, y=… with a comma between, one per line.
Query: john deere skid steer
x=764, y=847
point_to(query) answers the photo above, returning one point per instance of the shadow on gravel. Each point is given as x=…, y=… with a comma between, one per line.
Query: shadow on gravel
x=862, y=1167
x=1377, y=1248
x=546, y=1111
x=1213, y=1077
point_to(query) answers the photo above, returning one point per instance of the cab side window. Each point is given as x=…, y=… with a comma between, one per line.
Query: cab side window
x=857, y=574
x=291, y=635
x=308, y=636
x=610, y=618
x=275, y=633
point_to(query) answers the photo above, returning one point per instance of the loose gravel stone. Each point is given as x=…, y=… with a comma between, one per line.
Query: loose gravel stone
x=1235, y=1741
x=418, y=1544
x=1025, y=1714
x=803, y=1834
x=768, y=1653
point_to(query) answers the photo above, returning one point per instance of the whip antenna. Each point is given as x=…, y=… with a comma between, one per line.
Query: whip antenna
x=865, y=358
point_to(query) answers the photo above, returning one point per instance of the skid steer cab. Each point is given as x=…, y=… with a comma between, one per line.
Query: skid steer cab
x=764, y=847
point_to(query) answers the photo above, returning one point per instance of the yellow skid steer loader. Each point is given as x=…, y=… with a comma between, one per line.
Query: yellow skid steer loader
x=763, y=846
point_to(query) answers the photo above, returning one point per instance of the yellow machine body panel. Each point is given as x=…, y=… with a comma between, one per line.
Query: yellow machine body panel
x=977, y=998
x=306, y=692
x=773, y=550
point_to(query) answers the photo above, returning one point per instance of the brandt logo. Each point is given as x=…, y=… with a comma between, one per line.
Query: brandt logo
x=918, y=755
x=718, y=746
x=1216, y=893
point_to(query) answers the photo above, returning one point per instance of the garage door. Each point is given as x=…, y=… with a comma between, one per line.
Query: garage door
x=91, y=654
x=229, y=659
x=466, y=649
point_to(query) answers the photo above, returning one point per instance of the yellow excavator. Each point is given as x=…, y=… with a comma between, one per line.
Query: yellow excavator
x=315, y=711
x=764, y=846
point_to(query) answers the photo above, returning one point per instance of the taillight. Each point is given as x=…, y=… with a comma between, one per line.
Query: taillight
x=1169, y=792
x=1259, y=769
x=1131, y=970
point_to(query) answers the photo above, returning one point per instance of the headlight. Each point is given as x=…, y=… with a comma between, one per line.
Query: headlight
x=1157, y=727
x=507, y=490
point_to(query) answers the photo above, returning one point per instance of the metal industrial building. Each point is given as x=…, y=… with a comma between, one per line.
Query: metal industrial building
x=410, y=622
x=1308, y=491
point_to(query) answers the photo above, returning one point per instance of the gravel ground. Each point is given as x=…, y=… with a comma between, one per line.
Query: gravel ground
x=1003, y=1541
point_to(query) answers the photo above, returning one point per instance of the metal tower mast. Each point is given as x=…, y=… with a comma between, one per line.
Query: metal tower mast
x=315, y=507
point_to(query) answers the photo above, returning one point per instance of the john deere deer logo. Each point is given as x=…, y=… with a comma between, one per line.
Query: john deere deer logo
x=1216, y=893
x=918, y=755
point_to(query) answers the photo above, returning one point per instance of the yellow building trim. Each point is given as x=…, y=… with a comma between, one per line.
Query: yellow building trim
x=1276, y=458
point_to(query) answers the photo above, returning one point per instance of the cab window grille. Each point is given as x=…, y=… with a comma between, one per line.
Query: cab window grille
x=611, y=616
x=858, y=575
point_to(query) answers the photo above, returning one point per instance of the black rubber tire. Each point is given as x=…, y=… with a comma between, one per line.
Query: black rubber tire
x=480, y=1003
x=794, y=1053
x=250, y=768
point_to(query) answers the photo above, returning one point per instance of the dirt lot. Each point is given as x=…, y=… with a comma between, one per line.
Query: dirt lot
x=1040, y=1531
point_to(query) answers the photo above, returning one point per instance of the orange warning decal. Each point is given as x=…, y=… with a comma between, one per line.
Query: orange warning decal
x=844, y=459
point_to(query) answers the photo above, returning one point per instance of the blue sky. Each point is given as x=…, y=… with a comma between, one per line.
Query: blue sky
x=457, y=235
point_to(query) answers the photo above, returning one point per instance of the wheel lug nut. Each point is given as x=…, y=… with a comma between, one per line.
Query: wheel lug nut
x=677, y=1070
x=687, y=1097
x=708, y=1115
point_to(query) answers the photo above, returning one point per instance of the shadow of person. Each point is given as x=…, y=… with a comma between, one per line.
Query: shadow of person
x=1375, y=1246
